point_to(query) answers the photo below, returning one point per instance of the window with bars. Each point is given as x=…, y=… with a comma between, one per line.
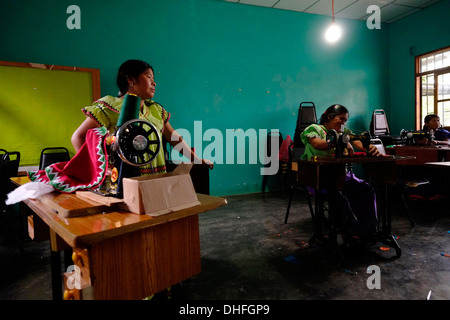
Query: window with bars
x=433, y=86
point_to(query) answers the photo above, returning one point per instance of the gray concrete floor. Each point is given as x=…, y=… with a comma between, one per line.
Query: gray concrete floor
x=249, y=253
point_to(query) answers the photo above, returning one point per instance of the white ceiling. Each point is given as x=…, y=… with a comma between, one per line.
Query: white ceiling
x=391, y=10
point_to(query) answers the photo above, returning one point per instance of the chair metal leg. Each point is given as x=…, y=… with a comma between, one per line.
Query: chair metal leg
x=311, y=210
x=308, y=198
x=408, y=211
x=289, y=205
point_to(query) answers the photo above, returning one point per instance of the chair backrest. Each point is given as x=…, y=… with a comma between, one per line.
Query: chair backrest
x=306, y=116
x=9, y=167
x=53, y=155
x=379, y=124
x=9, y=164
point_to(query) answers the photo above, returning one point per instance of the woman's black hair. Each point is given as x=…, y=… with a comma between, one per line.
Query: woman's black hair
x=427, y=119
x=130, y=69
x=331, y=112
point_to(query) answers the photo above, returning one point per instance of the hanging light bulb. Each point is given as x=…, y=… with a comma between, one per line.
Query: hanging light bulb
x=333, y=33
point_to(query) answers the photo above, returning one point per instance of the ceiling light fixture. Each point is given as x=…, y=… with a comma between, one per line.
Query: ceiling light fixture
x=333, y=32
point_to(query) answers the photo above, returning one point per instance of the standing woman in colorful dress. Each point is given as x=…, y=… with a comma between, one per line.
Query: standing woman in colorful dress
x=135, y=77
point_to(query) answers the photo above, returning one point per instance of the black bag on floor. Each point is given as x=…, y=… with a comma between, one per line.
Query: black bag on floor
x=360, y=216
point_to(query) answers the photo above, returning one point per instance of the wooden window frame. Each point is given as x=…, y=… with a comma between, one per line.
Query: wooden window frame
x=418, y=76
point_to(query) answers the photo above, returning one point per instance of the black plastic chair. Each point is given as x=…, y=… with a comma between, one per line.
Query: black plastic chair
x=53, y=155
x=379, y=128
x=296, y=186
x=306, y=116
x=9, y=167
x=379, y=125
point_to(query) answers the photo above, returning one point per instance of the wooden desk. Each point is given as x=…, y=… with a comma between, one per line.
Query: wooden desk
x=445, y=167
x=326, y=172
x=422, y=154
x=125, y=255
x=330, y=173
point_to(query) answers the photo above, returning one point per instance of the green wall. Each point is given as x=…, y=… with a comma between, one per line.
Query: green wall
x=230, y=66
x=420, y=33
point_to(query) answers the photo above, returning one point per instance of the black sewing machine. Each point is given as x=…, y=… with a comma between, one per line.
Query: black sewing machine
x=134, y=144
x=412, y=137
x=339, y=140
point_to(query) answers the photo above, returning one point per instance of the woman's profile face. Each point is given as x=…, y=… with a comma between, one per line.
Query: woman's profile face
x=144, y=85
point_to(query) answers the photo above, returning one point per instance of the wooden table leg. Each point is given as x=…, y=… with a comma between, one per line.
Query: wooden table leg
x=56, y=246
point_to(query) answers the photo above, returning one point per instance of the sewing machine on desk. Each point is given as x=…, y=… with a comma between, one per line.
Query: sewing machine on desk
x=330, y=173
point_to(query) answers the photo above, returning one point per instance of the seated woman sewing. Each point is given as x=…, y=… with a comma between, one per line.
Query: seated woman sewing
x=359, y=214
x=440, y=136
x=314, y=136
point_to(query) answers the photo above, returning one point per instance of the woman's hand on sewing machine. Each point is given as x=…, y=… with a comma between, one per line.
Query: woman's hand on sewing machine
x=373, y=151
x=350, y=149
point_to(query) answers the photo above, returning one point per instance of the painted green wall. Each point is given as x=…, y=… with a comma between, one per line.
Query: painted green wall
x=420, y=33
x=230, y=66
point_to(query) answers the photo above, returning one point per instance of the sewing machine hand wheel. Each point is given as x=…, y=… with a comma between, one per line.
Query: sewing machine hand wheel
x=134, y=140
x=332, y=138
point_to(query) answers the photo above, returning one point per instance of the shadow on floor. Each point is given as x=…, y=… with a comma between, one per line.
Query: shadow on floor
x=248, y=253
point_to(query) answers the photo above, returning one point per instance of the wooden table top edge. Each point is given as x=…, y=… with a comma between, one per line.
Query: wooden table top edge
x=324, y=160
x=61, y=225
x=438, y=164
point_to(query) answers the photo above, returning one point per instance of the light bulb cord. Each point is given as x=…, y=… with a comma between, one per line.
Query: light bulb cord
x=332, y=11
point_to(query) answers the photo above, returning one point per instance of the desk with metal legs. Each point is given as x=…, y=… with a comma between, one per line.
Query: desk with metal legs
x=326, y=173
x=443, y=166
x=123, y=255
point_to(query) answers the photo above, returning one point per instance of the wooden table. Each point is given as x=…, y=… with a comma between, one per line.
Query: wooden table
x=123, y=255
x=445, y=167
x=330, y=174
x=422, y=154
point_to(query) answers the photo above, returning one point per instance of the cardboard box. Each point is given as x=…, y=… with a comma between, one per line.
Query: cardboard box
x=160, y=194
